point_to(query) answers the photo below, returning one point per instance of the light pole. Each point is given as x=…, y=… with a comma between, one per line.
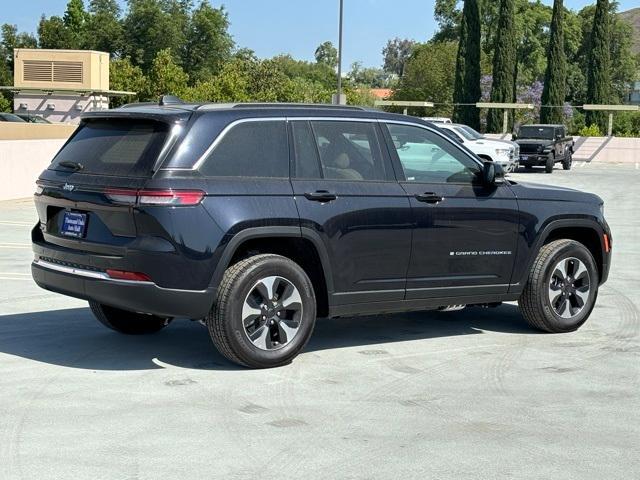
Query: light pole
x=338, y=99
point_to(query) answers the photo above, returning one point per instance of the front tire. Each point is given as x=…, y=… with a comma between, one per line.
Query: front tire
x=562, y=287
x=129, y=323
x=548, y=167
x=568, y=160
x=265, y=312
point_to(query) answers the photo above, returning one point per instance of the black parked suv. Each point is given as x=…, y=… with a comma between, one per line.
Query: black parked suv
x=544, y=145
x=260, y=218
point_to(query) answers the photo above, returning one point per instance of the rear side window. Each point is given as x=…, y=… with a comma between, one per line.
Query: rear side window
x=349, y=150
x=250, y=149
x=114, y=147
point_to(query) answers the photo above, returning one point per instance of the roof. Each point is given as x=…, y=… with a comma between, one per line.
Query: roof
x=381, y=93
x=174, y=111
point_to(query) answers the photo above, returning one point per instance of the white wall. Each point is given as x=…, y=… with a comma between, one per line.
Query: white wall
x=59, y=108
x=21, y=162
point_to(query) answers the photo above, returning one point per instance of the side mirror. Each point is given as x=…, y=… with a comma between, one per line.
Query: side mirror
x=514, y=137
x=492, y=174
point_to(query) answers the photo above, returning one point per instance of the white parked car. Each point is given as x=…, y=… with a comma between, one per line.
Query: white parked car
x=503, y=152
x=436, y=119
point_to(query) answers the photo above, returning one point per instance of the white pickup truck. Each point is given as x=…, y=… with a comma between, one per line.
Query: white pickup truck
x=503, y=152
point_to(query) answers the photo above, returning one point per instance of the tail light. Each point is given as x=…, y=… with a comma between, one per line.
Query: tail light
x=155, y=197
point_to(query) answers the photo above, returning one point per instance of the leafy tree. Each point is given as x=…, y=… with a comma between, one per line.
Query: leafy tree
x=555, y=91
x=152, y=26
x=467, y=80
x=124, y=76
x=5, y=104
x=320, y=73
x=166, y=77
x=327, y=54
x=105, y=27
x=504, y=63
x=396, y=53
x=11, y=39
x=429, y=76
x=208, y=42
x=75, y=21
x=448, y=16
x=367, y=77
x=598, y=73
x=52, y=33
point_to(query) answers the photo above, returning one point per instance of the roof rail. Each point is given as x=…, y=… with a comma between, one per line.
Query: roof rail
x=296, y=105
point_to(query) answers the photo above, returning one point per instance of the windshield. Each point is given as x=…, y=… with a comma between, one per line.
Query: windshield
x=113, y=147
x=474, y=134
x=543, y=133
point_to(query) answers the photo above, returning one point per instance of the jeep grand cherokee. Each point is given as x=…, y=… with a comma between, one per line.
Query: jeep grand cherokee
x=259, y=218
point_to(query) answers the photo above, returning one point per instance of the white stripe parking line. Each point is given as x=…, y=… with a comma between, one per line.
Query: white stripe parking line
x=16, y=278
x=14, y=273
x=23, y=246
x=17, y=224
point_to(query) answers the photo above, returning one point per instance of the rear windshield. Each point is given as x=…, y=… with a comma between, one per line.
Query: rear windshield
x=114, y=147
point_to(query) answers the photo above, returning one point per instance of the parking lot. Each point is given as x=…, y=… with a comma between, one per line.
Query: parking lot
x=470, y=394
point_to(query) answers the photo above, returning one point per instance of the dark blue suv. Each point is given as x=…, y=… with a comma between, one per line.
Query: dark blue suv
x=258, y=218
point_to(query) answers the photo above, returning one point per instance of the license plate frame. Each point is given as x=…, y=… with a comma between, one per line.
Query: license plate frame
x=74, y=224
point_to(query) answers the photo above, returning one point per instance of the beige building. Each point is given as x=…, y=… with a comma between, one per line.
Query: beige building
x=60, y=85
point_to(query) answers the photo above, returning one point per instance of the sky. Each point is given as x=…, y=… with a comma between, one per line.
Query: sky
x=299, y=26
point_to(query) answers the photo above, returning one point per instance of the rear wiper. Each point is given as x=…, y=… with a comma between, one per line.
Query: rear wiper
x=75, y=165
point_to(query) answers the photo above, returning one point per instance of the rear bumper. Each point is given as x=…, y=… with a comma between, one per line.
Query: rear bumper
x=145, y=297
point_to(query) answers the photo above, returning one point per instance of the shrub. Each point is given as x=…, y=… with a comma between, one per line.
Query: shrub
x=590, y=131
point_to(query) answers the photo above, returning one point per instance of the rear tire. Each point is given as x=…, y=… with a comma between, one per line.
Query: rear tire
x=265, y=312
x=548, y=167
x=552, y=305
x=129, y=323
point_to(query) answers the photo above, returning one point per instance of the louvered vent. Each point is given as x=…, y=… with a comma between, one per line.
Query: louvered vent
x=68, y=72
x=37, y=71
x=47, y=71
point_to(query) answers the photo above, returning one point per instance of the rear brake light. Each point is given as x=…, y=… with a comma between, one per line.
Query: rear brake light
x=155, y=197
x=131, y=276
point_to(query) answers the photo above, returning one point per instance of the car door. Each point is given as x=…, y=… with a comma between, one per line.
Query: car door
x=348, y=197
x=465, y=233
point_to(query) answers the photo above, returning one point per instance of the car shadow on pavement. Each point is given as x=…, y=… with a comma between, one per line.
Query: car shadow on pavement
x=73, y=338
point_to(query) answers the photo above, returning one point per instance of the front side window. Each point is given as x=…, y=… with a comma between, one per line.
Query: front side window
x=251, y=149
x=429, y=158
x=349, y=150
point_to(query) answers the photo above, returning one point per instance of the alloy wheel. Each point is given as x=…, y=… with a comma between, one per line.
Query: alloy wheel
x=272, y=313
x=569, y=287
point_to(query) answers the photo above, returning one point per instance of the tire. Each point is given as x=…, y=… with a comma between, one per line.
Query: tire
x=266, y=339
x=536, y=302
x=548, y=166
x=568, y=160
x=129, y=323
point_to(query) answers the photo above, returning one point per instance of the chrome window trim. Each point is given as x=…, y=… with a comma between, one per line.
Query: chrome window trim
x=315, y=118
x=226, y=130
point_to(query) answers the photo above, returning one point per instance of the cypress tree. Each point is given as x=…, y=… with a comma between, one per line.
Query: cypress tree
x=504, y=64
x=467, y=82
x=555, y=78
x=599, y=67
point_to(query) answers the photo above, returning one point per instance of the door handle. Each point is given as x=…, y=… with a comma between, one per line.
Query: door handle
x=429, y=197
x=320, y=196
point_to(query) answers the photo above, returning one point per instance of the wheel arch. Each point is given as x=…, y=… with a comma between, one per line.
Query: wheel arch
x=587, y=232
x=301, y=245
